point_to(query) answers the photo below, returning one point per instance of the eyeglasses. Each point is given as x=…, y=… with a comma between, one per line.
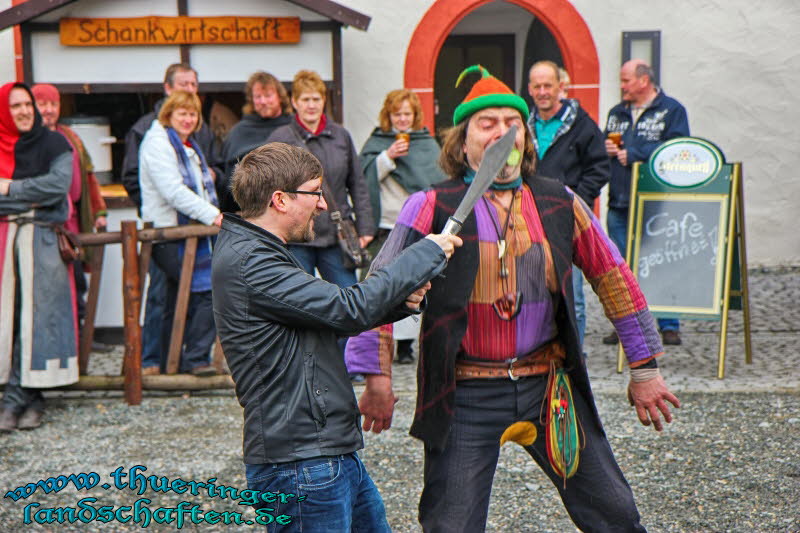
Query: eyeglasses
x=318, y=194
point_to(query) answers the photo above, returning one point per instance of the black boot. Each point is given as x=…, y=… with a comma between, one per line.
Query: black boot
x=404, y=355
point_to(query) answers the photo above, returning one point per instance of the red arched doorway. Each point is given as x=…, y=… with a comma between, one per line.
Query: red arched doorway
x=561, y=18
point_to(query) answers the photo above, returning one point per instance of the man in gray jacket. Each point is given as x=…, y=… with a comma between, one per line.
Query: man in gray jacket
x=279, y=327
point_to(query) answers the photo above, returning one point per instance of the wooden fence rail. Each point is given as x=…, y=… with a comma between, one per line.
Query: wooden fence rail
x=137, y=247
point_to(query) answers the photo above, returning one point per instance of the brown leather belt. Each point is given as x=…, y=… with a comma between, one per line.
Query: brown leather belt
x=536, y=363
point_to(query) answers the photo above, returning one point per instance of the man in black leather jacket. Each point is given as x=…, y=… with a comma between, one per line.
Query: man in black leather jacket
x=279, y=327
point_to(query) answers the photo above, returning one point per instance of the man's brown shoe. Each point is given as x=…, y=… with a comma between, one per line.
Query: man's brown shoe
x=8, y=420
x=671, y=337
x=151, y=371
x=611, y=338
x=30, y=419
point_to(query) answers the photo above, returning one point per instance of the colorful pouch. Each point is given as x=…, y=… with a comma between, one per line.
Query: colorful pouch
x=562, y=431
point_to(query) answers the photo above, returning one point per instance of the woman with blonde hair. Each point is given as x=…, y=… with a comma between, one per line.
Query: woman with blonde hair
x=398, y=159
x=344, y=185
x=177, y=189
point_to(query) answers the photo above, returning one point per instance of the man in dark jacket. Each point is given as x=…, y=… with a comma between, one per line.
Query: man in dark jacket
x=279, y=326
x=180, y=77
x=267, y=107
x=570, y=149
x=644, y=119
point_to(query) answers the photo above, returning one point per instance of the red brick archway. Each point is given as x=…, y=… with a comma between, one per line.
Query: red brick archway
x=561, y=18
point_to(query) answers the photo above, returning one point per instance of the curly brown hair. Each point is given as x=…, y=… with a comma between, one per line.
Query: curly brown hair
x=393, y=102
x=454, y=162
x=267, y=80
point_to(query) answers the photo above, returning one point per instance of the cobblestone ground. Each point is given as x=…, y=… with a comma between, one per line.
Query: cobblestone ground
x=727, y=464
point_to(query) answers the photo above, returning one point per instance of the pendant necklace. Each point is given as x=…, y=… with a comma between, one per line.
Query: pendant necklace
x=502, y=244
x=509, y=304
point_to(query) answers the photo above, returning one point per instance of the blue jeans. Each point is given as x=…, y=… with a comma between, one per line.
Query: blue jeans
x=327, y=260
x=154, y=317
x=617, y=222
x=458, y=479
x=338, y=496
x=200, y=330
x=580, y=302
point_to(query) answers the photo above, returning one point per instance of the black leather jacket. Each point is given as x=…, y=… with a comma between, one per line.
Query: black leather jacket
x=279, y=327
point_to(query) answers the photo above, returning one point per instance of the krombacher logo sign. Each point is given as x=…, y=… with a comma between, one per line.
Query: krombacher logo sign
x=685, y=162
x=179, y=30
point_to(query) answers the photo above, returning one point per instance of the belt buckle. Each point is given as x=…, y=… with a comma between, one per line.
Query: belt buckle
x=511, y=373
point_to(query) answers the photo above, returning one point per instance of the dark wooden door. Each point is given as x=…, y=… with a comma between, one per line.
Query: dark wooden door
x=493, y=52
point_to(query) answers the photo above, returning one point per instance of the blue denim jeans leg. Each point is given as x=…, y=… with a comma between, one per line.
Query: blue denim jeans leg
x=338, y=496
x=154, y=316
x=617, y=222
x=327, y=260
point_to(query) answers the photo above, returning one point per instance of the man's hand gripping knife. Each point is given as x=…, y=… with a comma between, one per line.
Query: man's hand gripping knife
x=377, y=401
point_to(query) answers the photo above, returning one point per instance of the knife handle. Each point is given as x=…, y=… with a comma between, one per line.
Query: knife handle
x=451, y=227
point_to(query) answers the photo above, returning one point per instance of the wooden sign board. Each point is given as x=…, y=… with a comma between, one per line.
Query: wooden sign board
x=144, y=31
x=686, y=236
x=678, y=228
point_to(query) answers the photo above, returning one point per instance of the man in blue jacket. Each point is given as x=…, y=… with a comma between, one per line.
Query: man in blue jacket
x=570, y=149
x=645, y=118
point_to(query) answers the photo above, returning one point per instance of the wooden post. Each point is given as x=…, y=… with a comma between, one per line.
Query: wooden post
x=87, y=333
x=131, y=301
x=164, y=382
x=745, y=289
x=181, y=306
x=218, y=359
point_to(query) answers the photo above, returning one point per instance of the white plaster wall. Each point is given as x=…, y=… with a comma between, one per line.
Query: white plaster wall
x=374, y=60
x=734, y=64
x=7, y=72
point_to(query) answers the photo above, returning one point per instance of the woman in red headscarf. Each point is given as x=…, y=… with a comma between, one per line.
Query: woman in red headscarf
x=38, y=340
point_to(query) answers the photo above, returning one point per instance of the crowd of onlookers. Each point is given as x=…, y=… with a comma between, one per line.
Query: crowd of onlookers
x=177, y=171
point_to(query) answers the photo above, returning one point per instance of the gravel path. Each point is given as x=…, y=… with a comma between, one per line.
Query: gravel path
x=729, y=462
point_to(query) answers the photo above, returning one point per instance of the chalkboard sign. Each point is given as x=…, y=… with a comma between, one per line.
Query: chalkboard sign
x=686, y=236
x=679, y=255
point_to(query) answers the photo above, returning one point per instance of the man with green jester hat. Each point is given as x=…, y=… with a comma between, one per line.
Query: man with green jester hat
x=500, y=358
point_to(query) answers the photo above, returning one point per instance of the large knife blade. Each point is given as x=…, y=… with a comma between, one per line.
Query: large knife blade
x=494, y=159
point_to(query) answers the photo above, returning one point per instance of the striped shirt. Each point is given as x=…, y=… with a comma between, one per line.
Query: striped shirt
x=530, y=272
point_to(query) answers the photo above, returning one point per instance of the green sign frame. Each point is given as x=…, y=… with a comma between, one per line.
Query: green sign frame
x=681, y=173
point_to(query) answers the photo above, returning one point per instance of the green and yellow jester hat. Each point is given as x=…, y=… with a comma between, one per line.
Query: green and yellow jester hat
x=487, y=92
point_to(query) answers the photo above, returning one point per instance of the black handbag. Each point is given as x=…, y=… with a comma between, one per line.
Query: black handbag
x=353, y=255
